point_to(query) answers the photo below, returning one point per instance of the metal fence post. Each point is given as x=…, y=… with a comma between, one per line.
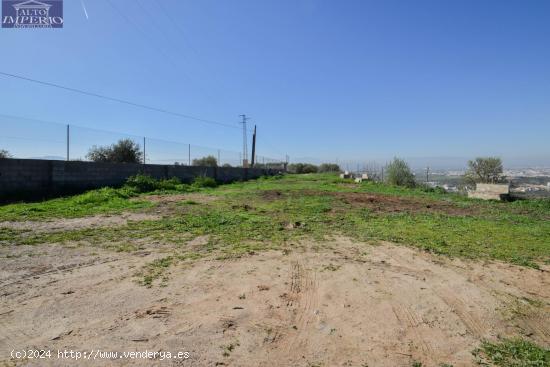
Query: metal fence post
x=68, y=140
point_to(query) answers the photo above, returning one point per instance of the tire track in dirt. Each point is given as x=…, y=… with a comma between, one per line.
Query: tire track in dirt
x=412, y=322
x=302, y=303
x=475, y=325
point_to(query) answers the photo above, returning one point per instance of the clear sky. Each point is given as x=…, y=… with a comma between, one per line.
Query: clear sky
x=348, y=79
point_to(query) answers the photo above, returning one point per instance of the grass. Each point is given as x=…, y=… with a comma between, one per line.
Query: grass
x=102, y=201
x=270, y=212
x=275, y=212
x=513, y=353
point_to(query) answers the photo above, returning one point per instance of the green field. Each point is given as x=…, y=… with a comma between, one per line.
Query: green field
x=278, y=211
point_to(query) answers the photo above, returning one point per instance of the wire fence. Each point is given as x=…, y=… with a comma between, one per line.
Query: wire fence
x=37, y=139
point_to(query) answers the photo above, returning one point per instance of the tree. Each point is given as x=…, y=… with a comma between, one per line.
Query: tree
x=484, y=170
x=399, y=173
x=329, y=167
x=124, y=151
x=302, y=168
x=5, y=154
x=208, y=161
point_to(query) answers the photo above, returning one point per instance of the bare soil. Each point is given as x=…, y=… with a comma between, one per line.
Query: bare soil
x=78, y=223
x=338, y=303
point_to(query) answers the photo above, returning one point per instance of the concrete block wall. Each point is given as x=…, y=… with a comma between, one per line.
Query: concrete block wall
x=490, y=191
x=34, y=178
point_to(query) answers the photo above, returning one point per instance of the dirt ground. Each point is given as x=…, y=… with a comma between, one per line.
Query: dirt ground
x=338, y=303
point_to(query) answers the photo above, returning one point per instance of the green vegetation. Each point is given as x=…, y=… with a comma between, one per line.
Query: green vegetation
x=105, y=200
x=276, y=212
x=102, y=201
x=513, y=353
x=329, y=167
x=484, y=170
x=124, y=151
x=398, y=173
x=302, y=168
x=208, y=161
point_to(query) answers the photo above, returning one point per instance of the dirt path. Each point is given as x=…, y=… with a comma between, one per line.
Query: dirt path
x=345, y=304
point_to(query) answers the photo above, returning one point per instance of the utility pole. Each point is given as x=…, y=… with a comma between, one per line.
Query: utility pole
x=189, y=154
x=68, y=140
x=144, y=150
x=245, y=146
x=219, y=162
x=427, y=174
x=254, y=147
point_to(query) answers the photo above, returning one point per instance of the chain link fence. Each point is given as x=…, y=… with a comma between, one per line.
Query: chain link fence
x=37, y=139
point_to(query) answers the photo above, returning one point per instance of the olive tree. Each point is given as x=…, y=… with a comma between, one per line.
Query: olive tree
x=124, y=151
x=302, y=168
x=329, y=167
x=208, y=161
x=484, y=170
x=5, y=154
x=399, y=173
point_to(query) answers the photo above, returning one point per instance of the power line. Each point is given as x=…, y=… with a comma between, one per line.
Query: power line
x=156, y=46
x=123, y=101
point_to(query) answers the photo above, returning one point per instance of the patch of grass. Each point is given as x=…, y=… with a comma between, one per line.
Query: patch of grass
x=202, y=181
x=273, y=213
x=105, y=200
x=513, y=353
x=155, y=270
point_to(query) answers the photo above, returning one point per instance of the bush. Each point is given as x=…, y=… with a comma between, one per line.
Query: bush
x=302, y=168
x=202, y=181
x=329, y=167
x=484, y=170
x=399, y=174
x=144, y=183
x=208, y=161
x=100, y=196
x=124, y=151
x=5, y=154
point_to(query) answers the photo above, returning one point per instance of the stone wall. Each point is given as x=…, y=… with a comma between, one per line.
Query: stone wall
x=26, y=178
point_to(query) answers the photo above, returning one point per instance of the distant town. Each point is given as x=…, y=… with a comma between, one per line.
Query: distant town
x=524, y=182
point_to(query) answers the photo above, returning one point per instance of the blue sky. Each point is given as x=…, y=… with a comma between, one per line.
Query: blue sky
x=352, y=79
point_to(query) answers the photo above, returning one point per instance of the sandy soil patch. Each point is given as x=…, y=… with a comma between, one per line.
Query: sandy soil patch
x=175, y=198
x=335, y=304
x=79, y=223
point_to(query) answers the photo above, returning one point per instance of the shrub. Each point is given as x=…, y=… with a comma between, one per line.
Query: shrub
x=399, y=173
x=5, y=154
x=124, y=151
x=226, y=165
x=203, y=181
x=484, y=170
x=100, y=196
x=329, y=167
x=302, y=168
x=144, y=183
x=208, y=161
